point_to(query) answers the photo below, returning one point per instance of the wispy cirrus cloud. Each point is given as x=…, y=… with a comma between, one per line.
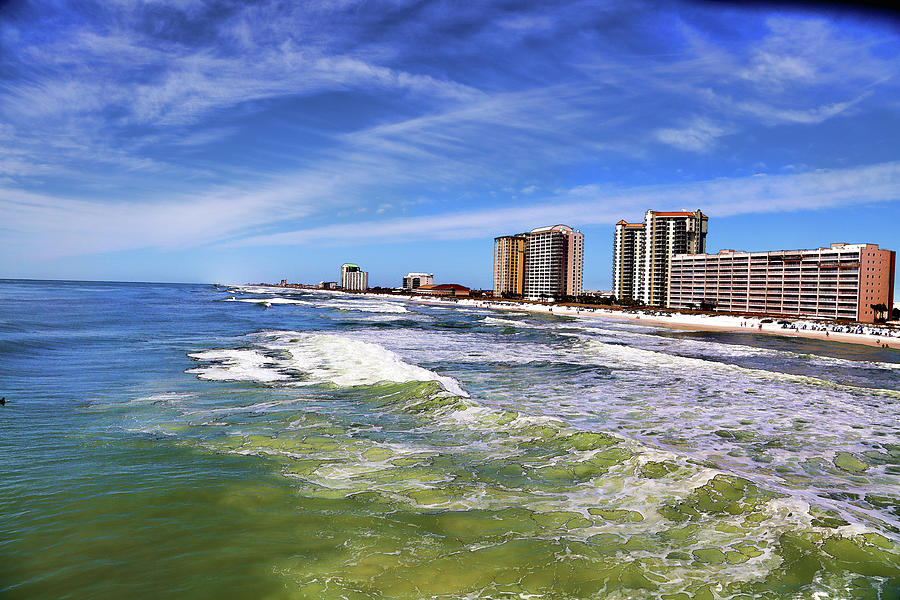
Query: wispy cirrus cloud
x=596, y=204
x=698, y=135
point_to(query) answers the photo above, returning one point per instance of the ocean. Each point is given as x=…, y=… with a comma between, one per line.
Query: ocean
x=194, y=441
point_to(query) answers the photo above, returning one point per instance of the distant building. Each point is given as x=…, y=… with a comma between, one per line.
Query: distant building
x=842, y=281
x=553, y=262
x=641, y=252
x=353, y=278
x=509, y=265
x=327, y=285
x=283, y=283
x=415, y=280
x=443, y=289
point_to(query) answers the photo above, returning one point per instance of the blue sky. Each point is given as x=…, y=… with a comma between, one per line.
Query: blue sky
x=244, y=141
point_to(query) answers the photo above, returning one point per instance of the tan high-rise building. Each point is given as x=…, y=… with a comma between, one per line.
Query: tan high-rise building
x=641, y=252
x=842, y=281
x=554, y=257
x=509, y=265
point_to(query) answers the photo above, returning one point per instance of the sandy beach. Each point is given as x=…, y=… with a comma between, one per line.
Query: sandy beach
x=694, y=322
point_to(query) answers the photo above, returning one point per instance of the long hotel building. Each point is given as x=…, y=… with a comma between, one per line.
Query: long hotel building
x=838, y=282
x=641, y=252
x=544, y=264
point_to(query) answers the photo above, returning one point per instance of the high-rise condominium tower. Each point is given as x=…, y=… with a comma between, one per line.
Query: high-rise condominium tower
x=353, y=278
x=641, y=252
x=509, y=265
x=553, y=262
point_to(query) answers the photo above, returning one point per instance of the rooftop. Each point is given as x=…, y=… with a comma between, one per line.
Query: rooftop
x=679, y=214
x=444, y=286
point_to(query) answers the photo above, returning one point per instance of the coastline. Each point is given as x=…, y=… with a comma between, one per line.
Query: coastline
x=678, y=321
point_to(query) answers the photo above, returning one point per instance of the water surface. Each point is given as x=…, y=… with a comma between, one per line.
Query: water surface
x=189, y=441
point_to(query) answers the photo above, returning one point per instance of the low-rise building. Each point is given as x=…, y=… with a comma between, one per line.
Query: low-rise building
x=414, y=281
x=353, y=278
x=842, y=281
x=443, y=289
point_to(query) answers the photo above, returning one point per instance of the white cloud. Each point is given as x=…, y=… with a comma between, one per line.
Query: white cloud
x=779, y=69
x=593, y=205
x=527, y=23
x=699, y=135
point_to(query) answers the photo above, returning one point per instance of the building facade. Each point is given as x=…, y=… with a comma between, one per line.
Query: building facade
x=842, y=281
x=443, y=289
x=353, y=278
x=413, y=281
x=628, y=247
x=509, y=265
x=554, y=259
x=641, y=252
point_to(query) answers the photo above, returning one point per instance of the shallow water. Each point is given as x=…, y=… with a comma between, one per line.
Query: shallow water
x=166, y=440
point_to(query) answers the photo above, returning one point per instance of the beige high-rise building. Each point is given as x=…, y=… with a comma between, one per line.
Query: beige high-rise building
x=554, y=257
x=641, y=252
x=509, y=265
x=412, y=281
x=628, y=249
x=353, y=278
x=842, y=281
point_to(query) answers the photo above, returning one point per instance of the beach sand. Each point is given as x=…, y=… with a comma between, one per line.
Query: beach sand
x=681, y=321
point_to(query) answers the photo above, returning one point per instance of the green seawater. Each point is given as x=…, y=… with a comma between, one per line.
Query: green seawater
x=314, y=462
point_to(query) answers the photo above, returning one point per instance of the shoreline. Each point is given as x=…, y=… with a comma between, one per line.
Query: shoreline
x=680, y=321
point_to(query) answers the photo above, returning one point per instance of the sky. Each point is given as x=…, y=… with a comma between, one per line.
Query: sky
x=218, y=141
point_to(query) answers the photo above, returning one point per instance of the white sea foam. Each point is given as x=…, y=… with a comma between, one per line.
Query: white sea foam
x=272, y=300
x=640, y=357
x=359, y=305
x=508, y=322
x=321, y=358
x=236, y=365
x=347, y=362
x=365, y=306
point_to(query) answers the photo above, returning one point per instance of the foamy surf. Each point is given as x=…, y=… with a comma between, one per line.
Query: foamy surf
x=538, y=478
x=237, y=365
x=315, y=358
